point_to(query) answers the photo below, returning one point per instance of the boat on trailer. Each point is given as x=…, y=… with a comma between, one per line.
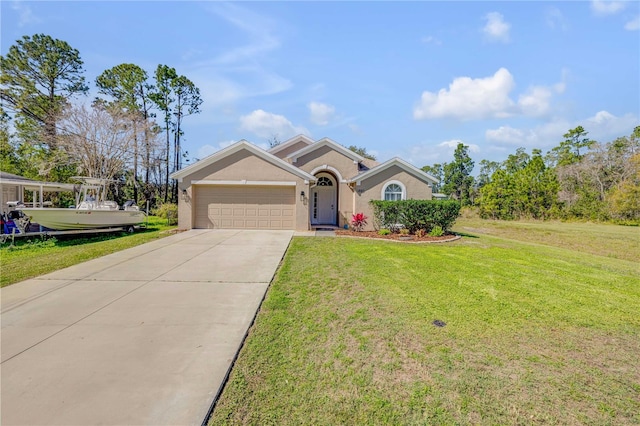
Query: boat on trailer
x=91, y=211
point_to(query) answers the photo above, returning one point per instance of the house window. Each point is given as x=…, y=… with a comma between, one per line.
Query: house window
x=324, y=181
x=393, y=191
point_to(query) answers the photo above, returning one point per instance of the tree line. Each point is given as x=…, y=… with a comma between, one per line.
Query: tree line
x=578, y=179
x=130, y=133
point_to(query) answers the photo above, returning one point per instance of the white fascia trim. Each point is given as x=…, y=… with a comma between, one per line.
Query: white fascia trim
x=244, y=182
x=391, y=182
x=332, y=169
x=409, y=168
x=236, y=147
x=289, y=142
x=357, y=158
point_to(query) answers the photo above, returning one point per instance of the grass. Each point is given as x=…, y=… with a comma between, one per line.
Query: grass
x=534, y=334
x=621, y=242
x=31, y=258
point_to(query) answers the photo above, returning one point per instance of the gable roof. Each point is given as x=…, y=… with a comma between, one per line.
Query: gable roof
x=237, y=147
x=289, y=142
x=409, y=168
x=326, y=142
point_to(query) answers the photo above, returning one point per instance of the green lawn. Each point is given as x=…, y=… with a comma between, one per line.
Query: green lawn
x=30, y=258
x=534, y=334
x=621, y=242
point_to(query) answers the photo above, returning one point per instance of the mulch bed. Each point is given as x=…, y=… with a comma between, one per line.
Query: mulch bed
x=397, y=237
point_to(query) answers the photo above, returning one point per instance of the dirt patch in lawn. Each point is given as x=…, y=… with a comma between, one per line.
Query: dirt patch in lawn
x=397, y=237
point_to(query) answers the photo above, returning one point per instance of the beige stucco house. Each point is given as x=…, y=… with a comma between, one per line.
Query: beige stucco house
x=299, y=184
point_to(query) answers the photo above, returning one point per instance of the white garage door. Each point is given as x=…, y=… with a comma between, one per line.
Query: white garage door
x=245, y=207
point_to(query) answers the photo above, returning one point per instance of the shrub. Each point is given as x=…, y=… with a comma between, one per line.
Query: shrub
x=404, y=231
x=436, y=231
x=168, y=211
x=415, y=214
x=386, y=214
x=384, y=231
x=421, y=233
x=359, y=221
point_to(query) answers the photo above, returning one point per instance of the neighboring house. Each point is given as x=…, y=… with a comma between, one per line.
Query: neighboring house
x=299, y=184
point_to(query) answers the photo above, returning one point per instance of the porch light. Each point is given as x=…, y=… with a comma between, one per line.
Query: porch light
x=301, y=195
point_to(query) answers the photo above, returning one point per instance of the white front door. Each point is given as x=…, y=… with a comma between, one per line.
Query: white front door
x=324, y=201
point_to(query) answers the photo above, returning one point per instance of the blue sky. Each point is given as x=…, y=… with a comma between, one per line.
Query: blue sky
x=408, y=79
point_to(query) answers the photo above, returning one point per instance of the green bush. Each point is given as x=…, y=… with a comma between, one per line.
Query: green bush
x=437, y=231
x=415, y=214
x=168, y=211
x=384, y=231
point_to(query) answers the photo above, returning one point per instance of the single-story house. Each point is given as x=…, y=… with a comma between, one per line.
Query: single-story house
x=298, y=185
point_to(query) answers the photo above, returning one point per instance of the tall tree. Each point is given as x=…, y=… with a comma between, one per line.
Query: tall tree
x=163, y=97
x=127, y=85
x=624, y=199
x=487, y=169
x=98, y=139
x=458, y=181
x=187, y=102
x=522, y=187
x=437, y=171
x=568, y=151
x=362, y=152
x=8, y=156
x=38, y=75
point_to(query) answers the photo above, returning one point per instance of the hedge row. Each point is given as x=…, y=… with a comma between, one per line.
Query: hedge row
x=415, y=214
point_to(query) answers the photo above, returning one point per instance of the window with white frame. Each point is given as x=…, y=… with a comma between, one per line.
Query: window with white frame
x=394, y=191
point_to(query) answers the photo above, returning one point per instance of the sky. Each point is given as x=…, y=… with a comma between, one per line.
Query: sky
x=407, y=79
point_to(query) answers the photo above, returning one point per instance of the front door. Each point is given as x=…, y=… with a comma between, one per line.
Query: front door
x=324, y=201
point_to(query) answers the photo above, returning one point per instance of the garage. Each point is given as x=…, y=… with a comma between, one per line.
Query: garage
x=244, y=207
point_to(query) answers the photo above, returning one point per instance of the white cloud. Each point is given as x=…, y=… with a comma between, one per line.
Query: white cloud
x=321, y=113
x=266, y=125
x=206, y=150
x=496, y=29
x=258, y=29
x=25, y=13
x=535, y=102
x=469, y=98
x=355, y=129
x=603, y=8
x=506, y=135
x=555, y=19
x=428, y=153
x=633, y=25
x=453, y=144
x=488, y=97
x=238, y=72
x=603, y=127
x=431, y=40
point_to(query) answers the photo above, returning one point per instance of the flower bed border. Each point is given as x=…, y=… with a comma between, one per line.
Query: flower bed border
x=371, y=236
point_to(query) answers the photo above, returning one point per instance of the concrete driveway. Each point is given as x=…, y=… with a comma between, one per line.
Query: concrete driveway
x=144, y=336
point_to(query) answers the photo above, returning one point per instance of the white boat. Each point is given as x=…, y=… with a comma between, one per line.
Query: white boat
x=91, y=210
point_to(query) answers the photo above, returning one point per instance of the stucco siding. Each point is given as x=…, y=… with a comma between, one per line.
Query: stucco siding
x=327, y=156
x=240, y=166
x=315, y=161
x=284, y=152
